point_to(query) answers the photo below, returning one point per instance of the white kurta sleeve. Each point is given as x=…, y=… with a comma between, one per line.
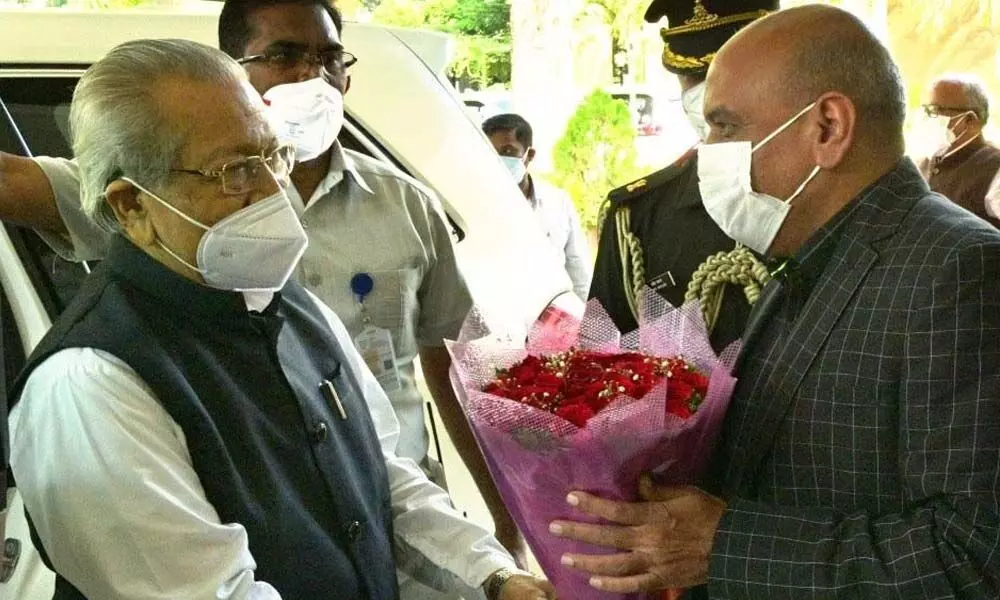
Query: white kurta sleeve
x=993, y=198
x=106, y=476
x=434, y=543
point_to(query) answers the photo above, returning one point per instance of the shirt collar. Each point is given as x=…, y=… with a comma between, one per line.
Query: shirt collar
x=340, y=164
x=809, y=263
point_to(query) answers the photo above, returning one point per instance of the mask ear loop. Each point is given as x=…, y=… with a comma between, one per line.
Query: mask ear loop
x=176, y=212
x=169, y=206
x=802, y=187
x=787, y=124
x=775, y=133
x=967, y=142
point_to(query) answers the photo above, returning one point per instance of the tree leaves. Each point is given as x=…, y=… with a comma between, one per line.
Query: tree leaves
x=596, y=154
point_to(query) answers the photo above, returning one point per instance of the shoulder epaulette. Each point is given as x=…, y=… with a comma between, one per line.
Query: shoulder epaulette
x=649, y=182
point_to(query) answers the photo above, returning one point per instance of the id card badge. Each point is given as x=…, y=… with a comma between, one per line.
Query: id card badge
x=375, y=346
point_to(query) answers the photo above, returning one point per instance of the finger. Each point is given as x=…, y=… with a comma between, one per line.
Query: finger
x=625, y=513
x=611, y=536
x=617, y=565
x=650, y=492
x=631, y=584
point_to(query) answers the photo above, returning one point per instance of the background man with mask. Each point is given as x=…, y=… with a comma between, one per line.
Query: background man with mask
x=656, y=231
x=964, y=164
x=859, y=456
x=195, y=425
x=380, y=251
x=511, y=136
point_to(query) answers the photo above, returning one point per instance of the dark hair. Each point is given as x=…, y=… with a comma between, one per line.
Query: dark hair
x=851, y=60
x=236, y=25
x=510, y=122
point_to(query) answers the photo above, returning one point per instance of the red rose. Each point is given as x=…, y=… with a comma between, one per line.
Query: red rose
x=595, y=402
x=548, y=380
x=526, y=370
x=576, y=385
x=679, y=394
x=577, y=414
x=696, y=380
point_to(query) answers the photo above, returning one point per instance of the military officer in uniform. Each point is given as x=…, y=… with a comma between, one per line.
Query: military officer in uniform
x=656, y=232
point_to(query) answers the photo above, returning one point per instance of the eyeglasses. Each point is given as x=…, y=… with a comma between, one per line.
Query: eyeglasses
x=243, y=175
x=936, y=110
x=334, y=60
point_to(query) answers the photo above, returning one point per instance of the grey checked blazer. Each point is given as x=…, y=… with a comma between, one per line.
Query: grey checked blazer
x=861, y=453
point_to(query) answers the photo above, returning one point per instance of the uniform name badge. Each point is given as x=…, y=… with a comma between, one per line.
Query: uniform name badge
x=374, y=344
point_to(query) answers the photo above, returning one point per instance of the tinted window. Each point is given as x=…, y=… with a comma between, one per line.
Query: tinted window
x=39, y=108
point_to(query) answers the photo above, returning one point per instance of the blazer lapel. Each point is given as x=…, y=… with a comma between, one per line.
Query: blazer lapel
x=876, y=217
x=759, y=316
x=842, y=278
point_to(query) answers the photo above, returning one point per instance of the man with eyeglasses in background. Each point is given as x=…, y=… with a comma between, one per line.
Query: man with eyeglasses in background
x=964, y=164
x=380, y=252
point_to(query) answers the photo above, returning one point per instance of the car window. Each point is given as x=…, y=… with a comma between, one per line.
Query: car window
x=35, y=123
x=40, y=108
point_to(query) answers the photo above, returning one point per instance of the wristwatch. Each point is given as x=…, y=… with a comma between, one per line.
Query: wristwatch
x=496, y=581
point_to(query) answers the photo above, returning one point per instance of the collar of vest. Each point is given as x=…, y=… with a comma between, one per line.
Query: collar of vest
x=128, y=263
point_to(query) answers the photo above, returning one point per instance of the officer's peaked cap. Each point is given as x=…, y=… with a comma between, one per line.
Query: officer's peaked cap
x=698, y=28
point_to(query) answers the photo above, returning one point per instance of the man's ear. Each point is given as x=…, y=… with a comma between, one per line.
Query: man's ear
x=974, y=123
x=837, y=129
x=529, y=156
x=129, y=207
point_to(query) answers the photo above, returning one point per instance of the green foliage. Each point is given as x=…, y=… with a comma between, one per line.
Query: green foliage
x=481, y=29
x=402, y=13
x=481, y=61
x=596, y=154
x=489, y=18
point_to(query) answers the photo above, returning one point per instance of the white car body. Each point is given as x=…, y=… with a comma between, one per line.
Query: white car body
x=400, y=109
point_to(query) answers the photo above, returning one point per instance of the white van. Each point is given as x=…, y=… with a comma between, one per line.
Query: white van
x=400, y=110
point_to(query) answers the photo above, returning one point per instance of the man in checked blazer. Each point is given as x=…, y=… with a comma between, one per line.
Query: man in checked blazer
x=861, y=454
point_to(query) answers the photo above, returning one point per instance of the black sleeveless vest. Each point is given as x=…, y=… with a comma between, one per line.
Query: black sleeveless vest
x=272, y=453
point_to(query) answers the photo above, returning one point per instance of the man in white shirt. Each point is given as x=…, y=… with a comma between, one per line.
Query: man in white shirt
x=993, y=198
x=512, y=137
x=194, y=425
x=380, y=250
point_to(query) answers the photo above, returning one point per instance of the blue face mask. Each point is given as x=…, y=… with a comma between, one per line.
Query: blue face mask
x=518, y=170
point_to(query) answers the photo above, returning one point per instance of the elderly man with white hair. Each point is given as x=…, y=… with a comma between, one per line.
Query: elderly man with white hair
x=964, y=165
x=196, y=425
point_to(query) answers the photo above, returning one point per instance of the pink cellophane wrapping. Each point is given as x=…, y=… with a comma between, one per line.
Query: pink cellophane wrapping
x=536, y=458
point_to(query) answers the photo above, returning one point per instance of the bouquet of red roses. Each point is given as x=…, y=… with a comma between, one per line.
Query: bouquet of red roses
x=581, y=407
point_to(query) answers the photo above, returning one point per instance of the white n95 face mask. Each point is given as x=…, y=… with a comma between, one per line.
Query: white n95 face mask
x=308, y=114
x=693, y=103
x=255, y=249
x=748, y=217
